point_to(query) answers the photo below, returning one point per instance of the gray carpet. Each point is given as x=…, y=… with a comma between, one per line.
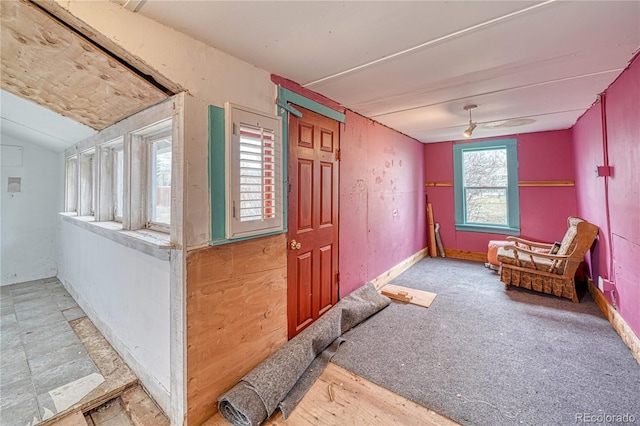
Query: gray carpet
x=281, y=380
x=481, y=355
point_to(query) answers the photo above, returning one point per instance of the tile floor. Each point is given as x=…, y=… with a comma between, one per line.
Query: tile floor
x=44, y=364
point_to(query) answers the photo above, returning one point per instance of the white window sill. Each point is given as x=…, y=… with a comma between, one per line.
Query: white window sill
x=490, y=229
x=153, y=243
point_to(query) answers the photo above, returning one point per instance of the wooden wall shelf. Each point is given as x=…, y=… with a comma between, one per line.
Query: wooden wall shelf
x=527, y=183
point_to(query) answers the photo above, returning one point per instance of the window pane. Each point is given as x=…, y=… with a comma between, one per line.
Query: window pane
x=485, y=168
x=486, y=206
x=485, y=180
x=71, y=185
x=257, y=162
x=87, y=187
x=160, y=197
x=118, y=159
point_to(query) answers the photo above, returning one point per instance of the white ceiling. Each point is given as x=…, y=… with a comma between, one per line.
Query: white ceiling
x=27, y=121
x=414, y=65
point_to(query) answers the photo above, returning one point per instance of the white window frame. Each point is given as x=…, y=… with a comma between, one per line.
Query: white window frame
x=71, y=184
x=512, y=191
x=107, y=198
x=114, y=181
x=237, y=117
x=87, y=183
x=157, y=137
x=129, y=136
x=141, y=167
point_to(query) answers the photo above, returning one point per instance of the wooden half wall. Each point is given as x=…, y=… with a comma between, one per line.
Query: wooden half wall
x=236, y=316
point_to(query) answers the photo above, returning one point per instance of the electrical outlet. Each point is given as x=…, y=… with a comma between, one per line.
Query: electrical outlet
x=604, y=171
x=605, y=284
x=601, y=284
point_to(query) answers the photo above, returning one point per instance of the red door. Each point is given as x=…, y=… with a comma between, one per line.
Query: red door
x=313, y=218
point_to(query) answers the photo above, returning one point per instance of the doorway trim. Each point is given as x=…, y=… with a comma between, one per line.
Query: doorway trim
x=284, y=100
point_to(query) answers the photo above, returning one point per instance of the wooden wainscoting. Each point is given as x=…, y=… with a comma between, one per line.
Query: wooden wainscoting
x=236, y=316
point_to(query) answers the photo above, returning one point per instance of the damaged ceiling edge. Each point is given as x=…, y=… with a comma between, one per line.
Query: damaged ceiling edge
x=71, y=71
x=105, y=43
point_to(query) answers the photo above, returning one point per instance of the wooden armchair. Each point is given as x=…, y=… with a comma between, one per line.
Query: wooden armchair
x=531, y=265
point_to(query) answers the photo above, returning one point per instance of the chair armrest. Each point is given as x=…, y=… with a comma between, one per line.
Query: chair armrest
x=537, y=254
x=521, y=253
x=529, y=243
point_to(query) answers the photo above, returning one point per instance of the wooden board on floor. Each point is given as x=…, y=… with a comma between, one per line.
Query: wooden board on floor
x=74, y=419
x=418, y=297
x=141, y=408
x=353, y=401
x=382, y=279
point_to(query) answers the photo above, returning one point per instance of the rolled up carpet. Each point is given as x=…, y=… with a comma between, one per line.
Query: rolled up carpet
x=288, y=373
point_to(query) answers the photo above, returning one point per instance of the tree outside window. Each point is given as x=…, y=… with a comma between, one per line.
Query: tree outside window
x=486, y=187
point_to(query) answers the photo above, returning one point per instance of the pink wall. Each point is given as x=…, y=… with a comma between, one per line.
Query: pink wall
x=543, y=210
x=382, y=206
x=617, y=259
x=587, y=137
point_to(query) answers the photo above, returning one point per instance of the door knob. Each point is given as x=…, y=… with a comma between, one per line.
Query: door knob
x=295, y=245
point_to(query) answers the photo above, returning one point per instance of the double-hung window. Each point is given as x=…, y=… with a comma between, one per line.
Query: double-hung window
x=159, y=181
x=254, y=173
x=71, y=185
x=150, y=177
x=486, y=187
x=117, y=164
x=111, y=177
x=87, y=183
x=126, y=179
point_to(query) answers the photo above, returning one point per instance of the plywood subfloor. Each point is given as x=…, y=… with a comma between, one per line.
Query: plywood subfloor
x=117, y=375
x=133, y=408
x=418, y=297
x=352, y=401
x=74, y=419
x=142, y=409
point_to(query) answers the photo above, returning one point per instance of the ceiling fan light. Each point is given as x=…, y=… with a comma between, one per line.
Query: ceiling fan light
x=467, y=133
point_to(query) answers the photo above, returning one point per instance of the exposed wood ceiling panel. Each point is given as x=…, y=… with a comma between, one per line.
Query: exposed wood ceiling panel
x=56, y=9
x=47, y=63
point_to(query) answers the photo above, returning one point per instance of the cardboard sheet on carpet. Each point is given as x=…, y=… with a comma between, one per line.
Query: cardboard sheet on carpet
x=417, y=297
x=282, y=379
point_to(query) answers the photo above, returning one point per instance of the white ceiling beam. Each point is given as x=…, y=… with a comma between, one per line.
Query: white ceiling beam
x=508, y=89
x=431, y=42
